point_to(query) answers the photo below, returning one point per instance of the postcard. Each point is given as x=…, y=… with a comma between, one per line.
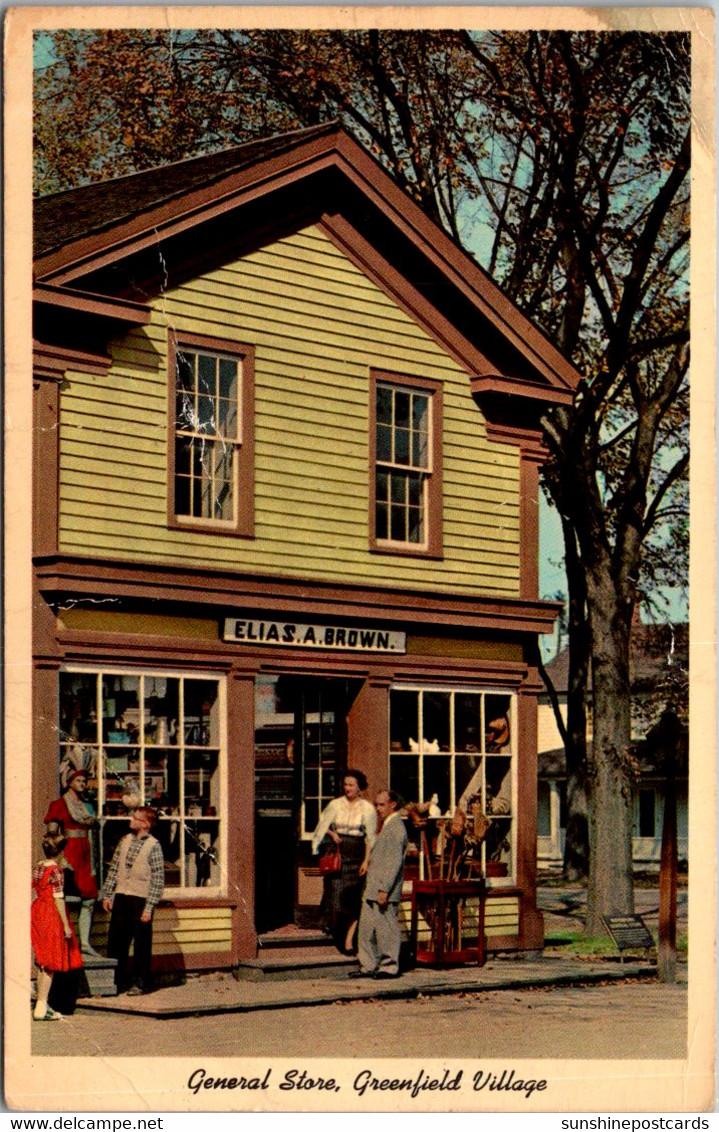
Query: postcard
x=360, y=746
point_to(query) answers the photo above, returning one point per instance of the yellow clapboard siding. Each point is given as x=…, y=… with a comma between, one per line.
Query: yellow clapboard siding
x=75, y=483
x=192, y=948
x=318, y=325
x=105, y=454
x=339, y=308
x=208, y=936
x=196, y=913
x=144, y=439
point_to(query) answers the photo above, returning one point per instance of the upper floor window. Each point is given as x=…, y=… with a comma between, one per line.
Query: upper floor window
x=407, y=483
x=212, y=437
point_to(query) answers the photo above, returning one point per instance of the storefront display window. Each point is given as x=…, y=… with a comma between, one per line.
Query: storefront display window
x=155, y=739
x=458, y=745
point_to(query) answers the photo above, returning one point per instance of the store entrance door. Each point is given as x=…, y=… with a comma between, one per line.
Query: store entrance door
x=300, y=753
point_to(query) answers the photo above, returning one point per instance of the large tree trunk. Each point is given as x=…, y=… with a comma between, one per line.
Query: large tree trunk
x=576, y=845
x=611, y=765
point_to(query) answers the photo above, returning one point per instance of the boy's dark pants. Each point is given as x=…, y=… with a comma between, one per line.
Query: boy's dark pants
x=126, y=927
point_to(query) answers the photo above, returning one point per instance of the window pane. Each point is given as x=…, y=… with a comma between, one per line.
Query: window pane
x=419, y=412
x=498, y=843
x=382, y=486
x=384, y=405
x=381, y=531
x=162, y=701
x=647, y=810
x=124, y=724
x=414, y=525
x=206, y=374
x=228, y=379
x=398, y=521
x=435, y=721
x=467, y=778
x=414, y=490
x=227, y=419
x=202, y=783
x=497, y=727
x=183, y=450
x=467, y=722
x=401, y=446
x=435, y=772
x=312, y=782
x=398, y=488
x=186, y=372
x=312, y=814
x=78, y=707
x=206, y=421
x=544, y=823
x=384, y=442
x=185, y=412
x=401, y=409
x=404, y=776
x=167, y=832
x=201, y=844
x=202, y=713
x=403, y=720
x=498, y=774
x=419, y=450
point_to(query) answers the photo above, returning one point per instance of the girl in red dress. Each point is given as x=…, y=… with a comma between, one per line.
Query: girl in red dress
x=53, y=939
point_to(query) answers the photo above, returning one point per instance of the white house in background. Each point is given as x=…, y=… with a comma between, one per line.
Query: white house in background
x=659, y=664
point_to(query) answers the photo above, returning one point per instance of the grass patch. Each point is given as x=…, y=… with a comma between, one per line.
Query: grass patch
x=576, y=945
x=579, y=946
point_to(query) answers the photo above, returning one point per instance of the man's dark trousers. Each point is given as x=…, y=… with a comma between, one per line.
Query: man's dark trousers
x=126, y=927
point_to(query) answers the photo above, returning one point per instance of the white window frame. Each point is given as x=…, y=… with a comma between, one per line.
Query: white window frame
x=483, y=692
x=214, y=440
x=393, y=468
x=172, y=892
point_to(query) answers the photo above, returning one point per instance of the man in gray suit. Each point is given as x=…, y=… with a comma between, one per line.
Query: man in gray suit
x=379, y=936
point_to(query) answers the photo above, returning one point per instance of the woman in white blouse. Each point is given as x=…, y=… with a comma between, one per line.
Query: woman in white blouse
x=351, y=823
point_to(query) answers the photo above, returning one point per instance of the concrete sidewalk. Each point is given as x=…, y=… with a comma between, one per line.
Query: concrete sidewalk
x=221, y=993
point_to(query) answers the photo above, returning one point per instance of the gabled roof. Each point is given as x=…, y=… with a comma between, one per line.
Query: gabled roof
x=104, y=239
x=61, y=218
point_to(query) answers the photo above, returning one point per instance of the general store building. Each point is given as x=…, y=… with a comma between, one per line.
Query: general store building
x=286, y=481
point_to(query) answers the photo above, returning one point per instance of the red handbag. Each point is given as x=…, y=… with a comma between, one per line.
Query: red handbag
x=330, y=860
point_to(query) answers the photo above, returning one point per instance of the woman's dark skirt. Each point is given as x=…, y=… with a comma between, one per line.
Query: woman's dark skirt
x=342, y=896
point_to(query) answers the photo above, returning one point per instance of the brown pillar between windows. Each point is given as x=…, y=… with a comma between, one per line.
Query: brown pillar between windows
x=241, y=810
x=368, y=733
x=531, y=923
x=46, y=448
x=45, y=716
x=530, y=459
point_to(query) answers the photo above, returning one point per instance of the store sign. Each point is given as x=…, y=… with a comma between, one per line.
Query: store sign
x=287, y=634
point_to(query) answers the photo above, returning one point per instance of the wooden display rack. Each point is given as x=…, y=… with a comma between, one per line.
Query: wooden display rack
x=443, y=900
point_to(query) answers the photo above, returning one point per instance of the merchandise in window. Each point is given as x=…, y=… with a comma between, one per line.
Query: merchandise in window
x=149, y=739
x=455, y=748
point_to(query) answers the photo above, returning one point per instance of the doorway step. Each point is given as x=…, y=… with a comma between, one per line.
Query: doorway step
x=294, y=953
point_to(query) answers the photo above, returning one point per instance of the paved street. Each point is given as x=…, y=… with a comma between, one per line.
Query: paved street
x=628, y=1019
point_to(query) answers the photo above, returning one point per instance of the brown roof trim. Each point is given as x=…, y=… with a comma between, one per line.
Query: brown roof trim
x=60, y=575
x=466, y=274
x=173, y=215
x=54, y=361
x=45, y=294
x=497, y=383
x=332, y=148
x=397, y=286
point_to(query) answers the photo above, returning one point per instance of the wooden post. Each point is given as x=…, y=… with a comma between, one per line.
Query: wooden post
x=667, y=949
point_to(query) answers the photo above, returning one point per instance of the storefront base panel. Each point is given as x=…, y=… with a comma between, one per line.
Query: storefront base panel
x=193, y=938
